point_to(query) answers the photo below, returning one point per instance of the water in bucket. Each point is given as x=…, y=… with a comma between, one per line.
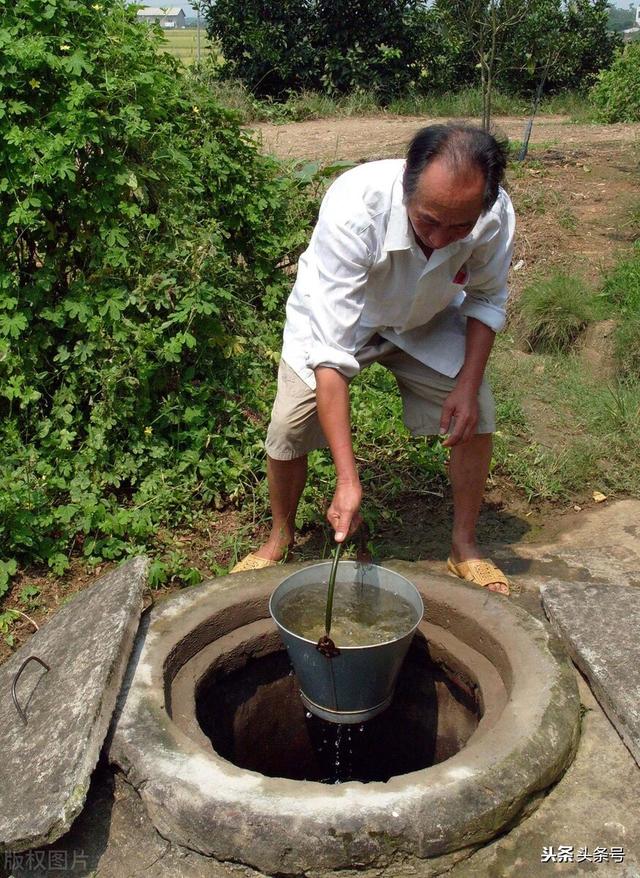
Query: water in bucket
x=363, y=615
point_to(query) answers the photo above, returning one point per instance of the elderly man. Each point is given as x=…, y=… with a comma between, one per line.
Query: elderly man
x=407, y=266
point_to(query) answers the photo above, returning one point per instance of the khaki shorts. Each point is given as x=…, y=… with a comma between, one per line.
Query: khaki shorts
x=295, y=430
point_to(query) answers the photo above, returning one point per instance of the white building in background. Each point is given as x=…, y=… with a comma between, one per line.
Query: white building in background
x=169, y=17
x=633, y=33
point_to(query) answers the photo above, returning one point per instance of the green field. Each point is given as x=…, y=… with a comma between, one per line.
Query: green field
x=183, y=43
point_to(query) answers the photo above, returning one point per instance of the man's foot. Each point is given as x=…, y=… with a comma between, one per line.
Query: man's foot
x=252, y=562
x=481, y=572
x=273, y=552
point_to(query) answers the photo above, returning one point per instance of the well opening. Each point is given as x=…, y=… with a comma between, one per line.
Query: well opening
x=213, y=731
x=254, y=717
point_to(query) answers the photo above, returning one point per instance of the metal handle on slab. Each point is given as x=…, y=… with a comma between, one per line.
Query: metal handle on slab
x=31, y=658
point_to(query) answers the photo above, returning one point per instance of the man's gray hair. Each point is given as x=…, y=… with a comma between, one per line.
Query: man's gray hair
x=464, y=147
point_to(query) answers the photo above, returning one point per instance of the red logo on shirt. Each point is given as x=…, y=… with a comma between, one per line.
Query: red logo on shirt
x=461, y=277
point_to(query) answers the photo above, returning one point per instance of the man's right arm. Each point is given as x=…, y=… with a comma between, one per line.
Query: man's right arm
x=342, y=258
x=343, y=253
x=332, y=394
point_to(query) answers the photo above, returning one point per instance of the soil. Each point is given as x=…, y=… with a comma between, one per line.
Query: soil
x=365, y=138
x=577, y=198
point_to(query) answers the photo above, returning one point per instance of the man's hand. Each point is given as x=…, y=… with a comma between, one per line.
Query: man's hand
x=344, y=513
x=461, y=404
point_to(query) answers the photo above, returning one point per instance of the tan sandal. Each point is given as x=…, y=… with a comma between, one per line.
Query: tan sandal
x=252, y=562
x=481, y=572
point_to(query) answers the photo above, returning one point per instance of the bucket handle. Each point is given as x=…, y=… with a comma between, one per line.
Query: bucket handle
x=325, y=645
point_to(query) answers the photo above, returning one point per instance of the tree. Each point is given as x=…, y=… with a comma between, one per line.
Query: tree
x=373, y=48
x=336, y=46
x=391, y=47
x=485, y=24
x=570, y=40
x=271, y=47
x=519, y=44
x=621, y=19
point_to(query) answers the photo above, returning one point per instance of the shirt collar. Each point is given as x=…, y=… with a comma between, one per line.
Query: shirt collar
x=399, y=235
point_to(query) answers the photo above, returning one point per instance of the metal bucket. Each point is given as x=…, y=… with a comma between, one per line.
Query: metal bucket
x=357, y=684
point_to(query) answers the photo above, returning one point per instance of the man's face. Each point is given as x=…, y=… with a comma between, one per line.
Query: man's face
x=446, y=204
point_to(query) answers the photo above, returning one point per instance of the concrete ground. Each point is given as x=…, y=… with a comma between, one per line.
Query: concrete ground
x=588, y=824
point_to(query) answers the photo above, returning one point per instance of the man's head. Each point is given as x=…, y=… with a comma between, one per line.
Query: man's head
x=452, y=176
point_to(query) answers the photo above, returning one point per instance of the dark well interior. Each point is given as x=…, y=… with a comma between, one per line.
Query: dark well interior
x=254, y=718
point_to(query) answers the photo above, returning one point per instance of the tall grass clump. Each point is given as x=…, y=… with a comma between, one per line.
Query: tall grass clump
x=564, y=431
x=552, y=312
x=622, y=291
x=574, y=103
x=463, y=103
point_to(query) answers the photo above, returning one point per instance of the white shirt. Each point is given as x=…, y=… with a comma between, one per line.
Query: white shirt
x=363, y=273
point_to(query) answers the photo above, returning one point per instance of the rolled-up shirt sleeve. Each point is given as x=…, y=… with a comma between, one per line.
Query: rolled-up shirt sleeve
x=486, y=290
x=343, y=257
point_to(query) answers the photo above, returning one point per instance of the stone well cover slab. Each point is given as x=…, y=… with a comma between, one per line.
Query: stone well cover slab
x=600, y=626
x=46, y=765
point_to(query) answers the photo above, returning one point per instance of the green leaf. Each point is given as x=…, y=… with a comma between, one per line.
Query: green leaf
x=78, y=309
x=7, y=570
x=12, y=324
x=76, y=64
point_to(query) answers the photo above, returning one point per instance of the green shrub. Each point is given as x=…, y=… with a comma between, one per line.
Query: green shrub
x=616, y=95
x=140, y=236
x=334, y=46
x=551, y=313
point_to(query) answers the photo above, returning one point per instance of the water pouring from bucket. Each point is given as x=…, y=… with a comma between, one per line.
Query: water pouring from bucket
x=350, y=676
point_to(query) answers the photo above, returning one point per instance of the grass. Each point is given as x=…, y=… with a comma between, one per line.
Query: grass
x=466, y=103
x=621, y=292
x=315, y=105
x=566, y=430
x=233, y=95
x=553, y=311
x=574, y=104
x=183, y=44
x=567, y=219
x=533, y=202
x=592, y=438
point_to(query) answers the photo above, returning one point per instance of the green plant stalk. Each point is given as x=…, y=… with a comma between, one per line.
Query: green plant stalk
x=332, y=584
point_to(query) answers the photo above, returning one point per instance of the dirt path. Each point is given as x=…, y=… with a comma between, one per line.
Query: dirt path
x=382, y=136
